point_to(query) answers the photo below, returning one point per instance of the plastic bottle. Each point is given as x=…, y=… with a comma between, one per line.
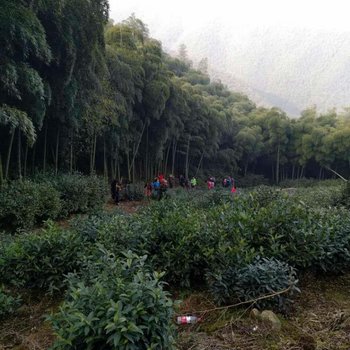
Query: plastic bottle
x=187, y=319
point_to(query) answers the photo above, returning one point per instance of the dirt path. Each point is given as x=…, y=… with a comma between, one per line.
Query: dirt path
x=129, y=207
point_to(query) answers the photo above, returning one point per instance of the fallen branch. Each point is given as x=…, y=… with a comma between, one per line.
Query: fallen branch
x=333, y=171
x=252, y=301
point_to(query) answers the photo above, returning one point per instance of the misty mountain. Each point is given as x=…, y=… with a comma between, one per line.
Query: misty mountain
x=290, y=69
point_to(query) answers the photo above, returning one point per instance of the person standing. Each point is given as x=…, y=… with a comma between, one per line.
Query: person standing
x=113, y=189
x=182, y=181
x=171, y=181
x=118, y=189
x=193, y=182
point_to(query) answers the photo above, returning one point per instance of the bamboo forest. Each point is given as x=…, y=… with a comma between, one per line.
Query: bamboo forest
x=145, y=203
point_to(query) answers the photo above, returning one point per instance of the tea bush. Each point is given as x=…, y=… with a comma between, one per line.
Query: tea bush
x=42, y=260
x=79, y=193
x=179, y=242
x=260, y=278
x=117, y=231
x=115, y=304
x=25, y=203
x=8, y=303
x=344, y=198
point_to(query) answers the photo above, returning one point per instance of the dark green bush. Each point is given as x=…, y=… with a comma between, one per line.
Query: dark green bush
x=79, y=193
x=260, y=278
x=179, y=242
x=41, y=260
x=115, y=304
x=8, y=303
x=345, y=196
x=24, y=204
x=117, y=231
x=251, y=180
x=133, y=192
x=334, y=253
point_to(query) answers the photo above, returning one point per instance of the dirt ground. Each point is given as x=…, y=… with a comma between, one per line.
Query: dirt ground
x=320, y=321
x=126, y=206
x=27, y=329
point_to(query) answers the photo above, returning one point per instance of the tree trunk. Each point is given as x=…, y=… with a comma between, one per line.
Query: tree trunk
x=9, y=153
x=113, y=173
x=133, y=165
x=105, y=169
x=19, y=155
x=246, y=168
x=1, y=173
x=293, y=170
x=93, y=153
x=166, y=160
x=57, y=148
x=128, y=161
x=71, y=154
x=25, y=160
x=336, y=173
x=33, y=158
x=147, y=160
x=45, y=147
x=278, y=164
x=199, y=164
x=118, y=169
x=174, y=156
x=138, y=145
x=187, y=157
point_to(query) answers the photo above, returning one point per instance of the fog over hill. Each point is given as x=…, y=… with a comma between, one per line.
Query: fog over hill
x=275, y=65
x=291, y=69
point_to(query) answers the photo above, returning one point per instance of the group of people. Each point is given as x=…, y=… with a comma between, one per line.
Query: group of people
x=158, y=187
x=186, y=183
x=227, y=182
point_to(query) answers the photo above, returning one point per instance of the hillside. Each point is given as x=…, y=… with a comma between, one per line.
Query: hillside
x=291, y=69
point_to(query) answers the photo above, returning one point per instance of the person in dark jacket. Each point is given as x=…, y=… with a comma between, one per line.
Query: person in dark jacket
x=114, y=189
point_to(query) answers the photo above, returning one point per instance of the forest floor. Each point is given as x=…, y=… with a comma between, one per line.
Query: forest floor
x=319, y=320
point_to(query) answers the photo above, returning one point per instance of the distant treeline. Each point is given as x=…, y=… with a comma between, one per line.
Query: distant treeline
x=78, y=92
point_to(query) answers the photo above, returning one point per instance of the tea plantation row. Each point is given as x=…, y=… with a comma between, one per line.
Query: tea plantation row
x=24, y=204
x=238, y=247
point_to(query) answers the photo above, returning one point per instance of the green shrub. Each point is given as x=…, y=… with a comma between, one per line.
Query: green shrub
x=42, y=260
x=8, y=304
x=115, y=305
x=179, y=242
x=117, y=231
x=309, y=183
x=133, y=192
x=345, y=196
x=251, y=180
x=334, y=253
x=261, y=278
x=79, y=193
x=24, y=204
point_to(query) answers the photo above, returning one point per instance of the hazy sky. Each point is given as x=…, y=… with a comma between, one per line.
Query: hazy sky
x=296, y=50
x=191, y=14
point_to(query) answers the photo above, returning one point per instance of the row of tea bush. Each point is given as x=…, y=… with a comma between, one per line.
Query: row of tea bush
x=26, y=203
x=239, y=248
